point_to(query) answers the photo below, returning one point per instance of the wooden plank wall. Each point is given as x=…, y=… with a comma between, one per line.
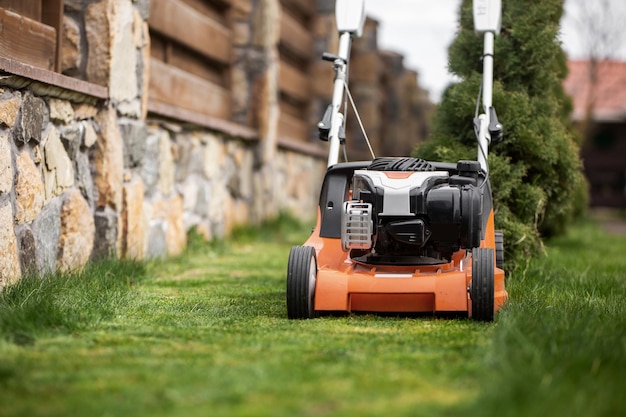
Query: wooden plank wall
x=191, y=55
x=296, y=51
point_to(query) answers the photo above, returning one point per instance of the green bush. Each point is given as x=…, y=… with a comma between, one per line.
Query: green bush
x=536, y=172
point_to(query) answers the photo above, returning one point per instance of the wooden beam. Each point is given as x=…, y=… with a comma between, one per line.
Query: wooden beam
x=294, y=82
x=293, y=128
x=60, y=85
x=198, y=119
x=27, y=8
x=304, y=9
x=295, y=37
x=173, y=86
x=314, y=149
x=28, y=41
x=52, y=15
x=182, y=23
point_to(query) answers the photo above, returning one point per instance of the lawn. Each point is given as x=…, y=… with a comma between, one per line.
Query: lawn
x=207, y=334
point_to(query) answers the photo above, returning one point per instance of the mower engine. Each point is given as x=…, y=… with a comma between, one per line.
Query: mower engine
x=403, y=211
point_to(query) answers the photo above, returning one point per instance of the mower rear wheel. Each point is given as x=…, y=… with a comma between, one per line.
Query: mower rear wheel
x=499, y=240
x=301, y=277
x=482, y=284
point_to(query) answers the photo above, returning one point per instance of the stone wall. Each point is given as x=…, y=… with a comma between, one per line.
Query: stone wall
x=79, y=182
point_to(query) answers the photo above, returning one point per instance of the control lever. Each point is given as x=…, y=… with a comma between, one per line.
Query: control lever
x=324, y=125
x=495, y=127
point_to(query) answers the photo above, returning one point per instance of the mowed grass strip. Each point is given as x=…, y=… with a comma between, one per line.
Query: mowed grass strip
x=207, y=334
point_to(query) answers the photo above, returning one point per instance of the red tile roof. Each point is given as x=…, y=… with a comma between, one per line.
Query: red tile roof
x=609, y=94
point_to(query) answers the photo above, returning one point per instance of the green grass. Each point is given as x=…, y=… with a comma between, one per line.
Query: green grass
x=207, y=334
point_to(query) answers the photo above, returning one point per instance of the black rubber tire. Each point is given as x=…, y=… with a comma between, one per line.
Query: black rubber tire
x=301, y=277
x=499, y=238
x=482, y=285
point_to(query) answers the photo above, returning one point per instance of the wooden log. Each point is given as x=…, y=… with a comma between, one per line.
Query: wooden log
x=28, y=41
x=173, y=86
x=29, y=9
x=294, y=82
x=293, y=128
x=295, y=37
x=182, y=23
x=52, y=15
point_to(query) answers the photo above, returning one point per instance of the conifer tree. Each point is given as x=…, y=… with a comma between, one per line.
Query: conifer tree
x=536, y=173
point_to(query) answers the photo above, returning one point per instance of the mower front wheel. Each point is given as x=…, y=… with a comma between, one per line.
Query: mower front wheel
x=301, y=278
x=482, y=284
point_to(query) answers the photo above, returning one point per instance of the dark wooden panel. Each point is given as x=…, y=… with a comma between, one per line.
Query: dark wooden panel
x=52, y=15
x=215, y=9
x=182, y=23
x=27, y=8
x=294, y=82
x=196, y=64
x=295, y=37
x=292, y=128
x=302, y=10
x=173, y=86
x=27, y=40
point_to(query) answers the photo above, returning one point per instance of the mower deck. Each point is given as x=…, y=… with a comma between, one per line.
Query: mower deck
x=345, y=285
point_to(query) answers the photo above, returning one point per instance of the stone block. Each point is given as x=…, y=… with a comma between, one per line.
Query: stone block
x=134, y=136
x=155, y=229
x=130, y=108
x=97, y=30
x=77, y=235
x=71, y=47
x=132, y=228
x=166, y=165
x=6, y=165
x=31, y=122
x=29, y=189
x=108, y=161
x=214, y=154
x=123, y=53
x=106, y=224
x=84, y=178
x=169, y=212
x=27, y=249
x=9, y=261
x=9, y=108
x=58, y=169
x=46, y=230
x=61, y=111
x=90, y=136
x=72, y=137
x=83, y=111
x=150, y=164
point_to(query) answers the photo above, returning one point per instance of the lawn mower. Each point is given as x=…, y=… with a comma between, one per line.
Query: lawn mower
x=398, y=234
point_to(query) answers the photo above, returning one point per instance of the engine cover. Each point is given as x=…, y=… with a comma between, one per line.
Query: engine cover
x=423, y=214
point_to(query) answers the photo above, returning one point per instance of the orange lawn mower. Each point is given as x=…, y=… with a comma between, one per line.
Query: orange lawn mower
x=402, y=235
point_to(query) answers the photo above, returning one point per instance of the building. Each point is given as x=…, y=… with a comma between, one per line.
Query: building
x=599, y=95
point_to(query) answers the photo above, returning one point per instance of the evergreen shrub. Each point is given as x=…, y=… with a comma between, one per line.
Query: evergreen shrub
x=536, y=172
